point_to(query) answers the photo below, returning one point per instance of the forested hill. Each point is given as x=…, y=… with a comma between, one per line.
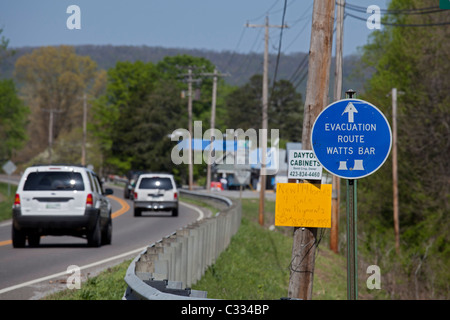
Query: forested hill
x=239, y=66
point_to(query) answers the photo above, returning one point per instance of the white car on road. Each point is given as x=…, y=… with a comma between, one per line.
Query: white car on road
x=61, y=200
x=155, y=191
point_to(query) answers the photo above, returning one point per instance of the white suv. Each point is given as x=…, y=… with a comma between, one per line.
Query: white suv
x=61, y=200
x=155, y=191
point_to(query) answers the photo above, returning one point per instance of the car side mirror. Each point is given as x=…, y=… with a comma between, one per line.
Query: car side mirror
x=109, y=191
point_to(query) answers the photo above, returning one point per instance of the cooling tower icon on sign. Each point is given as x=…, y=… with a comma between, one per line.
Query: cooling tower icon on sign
x=358, y=165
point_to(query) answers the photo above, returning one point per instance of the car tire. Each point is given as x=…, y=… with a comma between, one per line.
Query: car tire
x=34, y=239
x=107, y=232
x=94, y=235
x=137, y=212
x=18, y=238
x=175, y=212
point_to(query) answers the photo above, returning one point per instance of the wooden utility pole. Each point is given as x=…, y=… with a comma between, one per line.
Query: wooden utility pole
x=265, y=103
x=336, y=181
x=191, y=164
x=213, y=121
x=395, y=170
x=50, y=132
x=304, y=240
x=190, y=80
x=83, y=145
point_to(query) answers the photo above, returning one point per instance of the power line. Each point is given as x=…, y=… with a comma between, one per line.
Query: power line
x=266, y=13
x=235, y=49
x=306, y=15
x=246, y=61
x=417, y=11
x=395, y=11
x=302, y=79
x=403, y=25
x=279, y=48
x=300, y=66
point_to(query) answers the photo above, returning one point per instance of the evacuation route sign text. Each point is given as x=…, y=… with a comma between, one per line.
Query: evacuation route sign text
x=351, y=138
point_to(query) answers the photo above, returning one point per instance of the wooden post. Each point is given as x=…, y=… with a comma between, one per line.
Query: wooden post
x=394, y=170
x=213, y=124
x=336, y=181
x=265, y=103
x=191, y=166
x=304, y=242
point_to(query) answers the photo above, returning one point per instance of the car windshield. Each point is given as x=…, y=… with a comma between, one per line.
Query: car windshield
x=49, y=181
x=156, y=183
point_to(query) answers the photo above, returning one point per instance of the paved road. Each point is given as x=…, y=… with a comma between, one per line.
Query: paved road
x=30, y=273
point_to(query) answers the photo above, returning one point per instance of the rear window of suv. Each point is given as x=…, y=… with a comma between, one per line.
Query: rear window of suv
x=51, y=181
x=156, y=183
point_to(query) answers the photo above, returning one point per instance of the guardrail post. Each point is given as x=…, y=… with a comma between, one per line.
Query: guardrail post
x=183, y=257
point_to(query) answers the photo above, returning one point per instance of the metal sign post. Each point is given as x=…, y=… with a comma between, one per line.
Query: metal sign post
x=352, y=245
x=352, y=240
x=352, y=139
x=9, y=167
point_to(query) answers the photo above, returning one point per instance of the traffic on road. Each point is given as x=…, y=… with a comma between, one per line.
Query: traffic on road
x=32, y=271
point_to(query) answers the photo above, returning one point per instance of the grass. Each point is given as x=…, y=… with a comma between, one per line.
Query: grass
x=108, y=285
x=256, y=264
x=6, y=201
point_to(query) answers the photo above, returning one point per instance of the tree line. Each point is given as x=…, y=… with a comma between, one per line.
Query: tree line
x=416, y=61
x=135, y=106
x=133, y=109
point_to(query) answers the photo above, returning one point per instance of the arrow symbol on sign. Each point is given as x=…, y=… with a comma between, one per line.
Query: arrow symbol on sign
x=350, y=109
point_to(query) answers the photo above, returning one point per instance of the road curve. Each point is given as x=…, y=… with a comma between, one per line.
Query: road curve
x=31, y=273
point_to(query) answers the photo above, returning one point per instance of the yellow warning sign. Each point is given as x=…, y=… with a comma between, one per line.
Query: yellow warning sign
x=303, y=205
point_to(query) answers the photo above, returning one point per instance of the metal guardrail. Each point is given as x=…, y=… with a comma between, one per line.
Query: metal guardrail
x=160, y=270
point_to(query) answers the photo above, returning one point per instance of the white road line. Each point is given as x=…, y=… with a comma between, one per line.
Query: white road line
x=200, y=212
x=28, y=283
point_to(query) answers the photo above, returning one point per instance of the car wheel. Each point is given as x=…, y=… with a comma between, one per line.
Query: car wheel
x=175, y=212
x=94, y=235
x=137, y=212
x=107, y=232
x=18, y=238
x=34, y=239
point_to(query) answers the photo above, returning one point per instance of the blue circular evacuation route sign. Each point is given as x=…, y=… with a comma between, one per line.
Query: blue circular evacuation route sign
x=351, y=138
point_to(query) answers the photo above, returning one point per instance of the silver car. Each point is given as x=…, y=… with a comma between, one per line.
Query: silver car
x=154, y=192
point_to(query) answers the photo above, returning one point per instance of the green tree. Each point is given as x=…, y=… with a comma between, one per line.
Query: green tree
x=244, y=107
x=4, y=51
x=133, y=120
x=286, y=111
x=13, y=119
x=176, y=68
x=118, y=111
x=416, y=61
x=141, y=108
x=53, y=79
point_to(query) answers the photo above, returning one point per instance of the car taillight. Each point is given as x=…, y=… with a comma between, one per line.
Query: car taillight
x=17, y=200
x=175, y=196
x=89, y=200
x=135, y=195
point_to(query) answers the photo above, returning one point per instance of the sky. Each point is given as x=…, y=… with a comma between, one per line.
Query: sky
x=217, y=25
